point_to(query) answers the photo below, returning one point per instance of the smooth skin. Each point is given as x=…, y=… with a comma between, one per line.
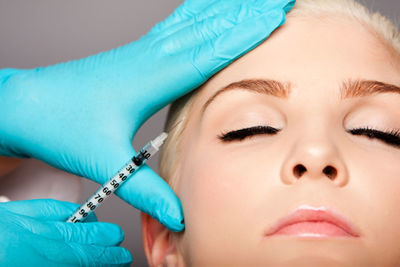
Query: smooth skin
x=232, y=193
x=81, y=116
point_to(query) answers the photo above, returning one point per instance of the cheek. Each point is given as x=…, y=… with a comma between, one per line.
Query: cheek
x=214, y=187
x=222, y=195
x=375, y=186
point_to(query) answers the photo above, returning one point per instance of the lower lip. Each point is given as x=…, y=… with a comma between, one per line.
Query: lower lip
x=312, y=229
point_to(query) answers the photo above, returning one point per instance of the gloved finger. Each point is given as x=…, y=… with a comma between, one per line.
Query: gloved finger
x=148, y=192
x=200, y=62
x=239, y=9
x=96, y=233
x=211, y=27
x=182, y=13
x=287, y=4
x=44, y=209
x=216, y=54
x=204, y=9
x=74, y=254
x=202, y=31
x=145, y=190
x=206, y=24
x=221, y=8
x=244, y=9
x=194, y=6
x=5, y=74
x=213, y=9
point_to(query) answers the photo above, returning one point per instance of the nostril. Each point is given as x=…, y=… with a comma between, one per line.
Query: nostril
x=330, y=171
x=299, y=170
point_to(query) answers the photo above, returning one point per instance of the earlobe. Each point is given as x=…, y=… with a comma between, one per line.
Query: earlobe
x=157, y=243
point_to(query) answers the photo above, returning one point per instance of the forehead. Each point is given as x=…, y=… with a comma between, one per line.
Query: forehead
x=313, y=53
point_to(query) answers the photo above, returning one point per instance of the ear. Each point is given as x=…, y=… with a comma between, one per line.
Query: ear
x=157, y=243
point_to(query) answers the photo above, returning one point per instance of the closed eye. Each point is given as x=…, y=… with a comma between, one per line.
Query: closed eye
x=390, y=137
x=239, y=135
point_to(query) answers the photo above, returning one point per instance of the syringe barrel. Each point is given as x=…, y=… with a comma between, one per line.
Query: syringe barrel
x=144, y=154
x=117, y=180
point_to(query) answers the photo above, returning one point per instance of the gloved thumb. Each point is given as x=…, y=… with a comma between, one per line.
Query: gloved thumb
x=145, y=189
x=148, y=192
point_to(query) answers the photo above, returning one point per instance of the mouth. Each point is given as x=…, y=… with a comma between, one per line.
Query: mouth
x=309, y=222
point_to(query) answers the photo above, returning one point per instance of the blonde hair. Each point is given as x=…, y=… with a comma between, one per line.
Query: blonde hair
x=380, y=26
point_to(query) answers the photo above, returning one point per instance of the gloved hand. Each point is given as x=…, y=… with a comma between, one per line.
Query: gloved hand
x=34, y=233
x=81, y=116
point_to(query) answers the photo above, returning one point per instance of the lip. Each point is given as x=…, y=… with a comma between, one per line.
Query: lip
x=308, y=221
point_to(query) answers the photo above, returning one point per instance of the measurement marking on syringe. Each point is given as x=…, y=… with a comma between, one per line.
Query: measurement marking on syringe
x=115, y=182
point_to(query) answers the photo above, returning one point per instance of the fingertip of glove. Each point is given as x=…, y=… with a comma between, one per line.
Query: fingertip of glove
x=289, y=6
x=108, y=233
x=175, y=224
x=174, y=220
x=117, y=233
x=270, y=20
x=252, y=32
x=112, y=256
x=168, y=211
x=126, y=257
x=149, y=193
x=285, y=5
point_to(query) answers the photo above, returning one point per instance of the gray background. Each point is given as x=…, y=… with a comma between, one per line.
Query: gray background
x=43, y=32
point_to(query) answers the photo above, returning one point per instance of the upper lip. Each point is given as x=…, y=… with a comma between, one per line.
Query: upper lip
x=308, y=213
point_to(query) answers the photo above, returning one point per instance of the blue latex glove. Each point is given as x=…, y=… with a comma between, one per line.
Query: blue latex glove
x=34, y=233
x=81, y=116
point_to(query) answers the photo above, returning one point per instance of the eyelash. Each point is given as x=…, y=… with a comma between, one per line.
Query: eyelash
x=239, y=135
x=390, y=137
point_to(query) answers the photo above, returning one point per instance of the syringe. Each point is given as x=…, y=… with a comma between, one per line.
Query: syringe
x=117, y=180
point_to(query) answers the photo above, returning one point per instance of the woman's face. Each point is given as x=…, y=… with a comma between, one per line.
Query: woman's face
x=234, y=191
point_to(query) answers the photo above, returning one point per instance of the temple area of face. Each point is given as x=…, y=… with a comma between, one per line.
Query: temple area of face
x=349, y=89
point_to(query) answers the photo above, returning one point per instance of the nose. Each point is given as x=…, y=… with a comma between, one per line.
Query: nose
x=314, y=160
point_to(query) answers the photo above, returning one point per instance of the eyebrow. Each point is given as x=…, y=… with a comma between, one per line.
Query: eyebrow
x=361, y=88
x=260, y=86
x=349, y=89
